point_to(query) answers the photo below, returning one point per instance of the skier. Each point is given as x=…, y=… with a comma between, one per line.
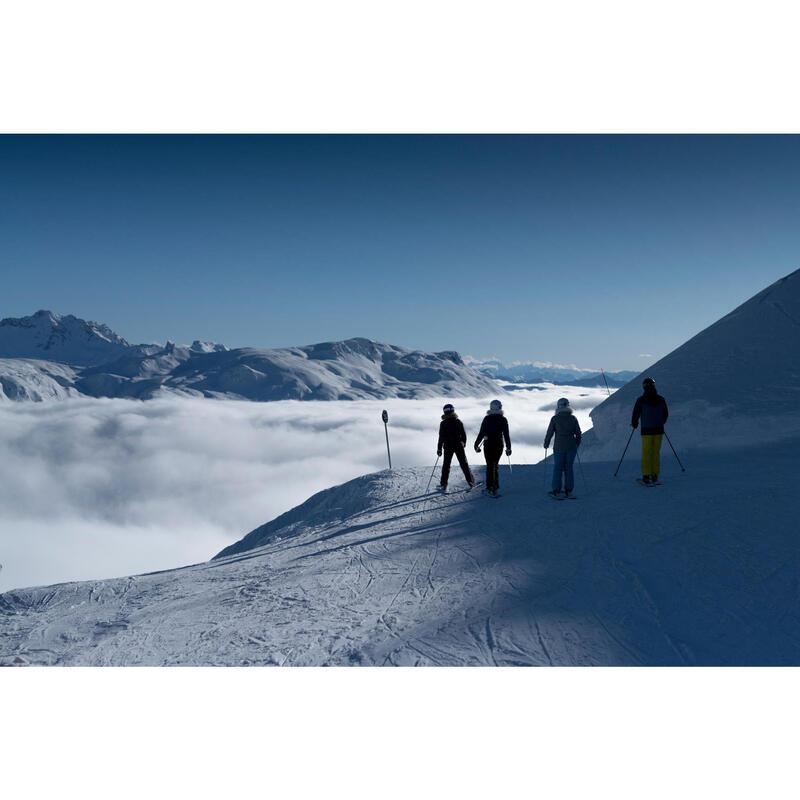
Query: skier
x=567, y=431
x=494, y=429
x=652, y=409
x=452, y=439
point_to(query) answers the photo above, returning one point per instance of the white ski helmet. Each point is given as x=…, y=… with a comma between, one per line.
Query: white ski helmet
x=495, y=405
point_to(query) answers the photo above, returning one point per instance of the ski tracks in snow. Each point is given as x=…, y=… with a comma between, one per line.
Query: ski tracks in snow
x=622, y=577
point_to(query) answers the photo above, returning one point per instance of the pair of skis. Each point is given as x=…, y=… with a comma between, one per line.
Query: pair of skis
x=642, y=483
x=484, y=492
x=475, y=485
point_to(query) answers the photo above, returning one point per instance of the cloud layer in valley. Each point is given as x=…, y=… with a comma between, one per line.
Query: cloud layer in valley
x=103, y=488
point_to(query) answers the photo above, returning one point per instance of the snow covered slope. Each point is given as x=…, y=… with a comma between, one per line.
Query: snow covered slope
x=700, y=571
x=32, y=379
x=736, y=382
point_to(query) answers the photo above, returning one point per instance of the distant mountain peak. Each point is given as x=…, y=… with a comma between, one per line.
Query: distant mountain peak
x=51, y=336
x=208, y=347
x=49, y=316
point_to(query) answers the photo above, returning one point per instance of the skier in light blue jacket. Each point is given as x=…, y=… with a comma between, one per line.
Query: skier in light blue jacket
x=567, y=433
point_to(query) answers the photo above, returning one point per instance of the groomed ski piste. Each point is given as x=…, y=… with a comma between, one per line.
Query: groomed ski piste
x=700, y=571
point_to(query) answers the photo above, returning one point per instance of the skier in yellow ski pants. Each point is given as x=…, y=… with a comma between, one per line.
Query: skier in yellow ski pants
x=652, y=409
x=651, y=453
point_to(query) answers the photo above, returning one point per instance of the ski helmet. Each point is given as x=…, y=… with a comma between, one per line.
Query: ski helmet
x=448, y=409
x=495, y=405
x=648, y=382
x=562, y=402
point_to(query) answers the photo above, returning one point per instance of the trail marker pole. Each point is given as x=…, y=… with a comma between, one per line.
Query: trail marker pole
x=385, y=418
x=683, y=469
x=605, y=381
x=623, y=452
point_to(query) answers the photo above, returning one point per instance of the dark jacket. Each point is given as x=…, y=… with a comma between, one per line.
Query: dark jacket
x=494, y=428
x=451, y=432
x=652, y=408
x=566, y=429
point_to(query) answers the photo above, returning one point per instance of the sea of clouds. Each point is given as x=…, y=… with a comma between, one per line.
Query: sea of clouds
x=102, y=488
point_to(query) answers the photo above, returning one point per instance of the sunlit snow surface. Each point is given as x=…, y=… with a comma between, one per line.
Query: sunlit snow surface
x=102, y=488
x=376, y=572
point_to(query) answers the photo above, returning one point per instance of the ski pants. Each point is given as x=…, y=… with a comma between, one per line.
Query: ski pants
x=491, y=452
x=462, y=460
x=651, y=453
x=562, y=463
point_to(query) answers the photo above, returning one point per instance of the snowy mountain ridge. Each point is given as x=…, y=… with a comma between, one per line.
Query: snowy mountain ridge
x=543, y=371
x=48, y=356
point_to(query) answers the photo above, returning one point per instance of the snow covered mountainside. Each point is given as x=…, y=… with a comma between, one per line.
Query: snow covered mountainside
x=538, y=372
x=737, y=382
x=350, y=370
x=698, y=571
x=52, y=337
x=31, y=379
x=87, y=359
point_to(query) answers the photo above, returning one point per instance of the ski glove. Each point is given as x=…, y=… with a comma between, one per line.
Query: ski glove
x=477, y=449
x=508, y=451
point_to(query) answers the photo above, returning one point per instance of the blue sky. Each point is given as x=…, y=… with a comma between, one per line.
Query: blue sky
x=603, y=251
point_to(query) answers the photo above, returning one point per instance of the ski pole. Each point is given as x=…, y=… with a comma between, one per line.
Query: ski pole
x=431, y=477
x=510, y=471
x=385, y=418
x=583, y=475
x=544, y=471
x=605, y=381
x=683, y=469
x=624, y=451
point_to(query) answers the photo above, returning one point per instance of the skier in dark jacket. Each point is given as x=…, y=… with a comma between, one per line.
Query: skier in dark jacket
x=452, y=440
x=494, y=429
x=567, y=431
x=651, y=408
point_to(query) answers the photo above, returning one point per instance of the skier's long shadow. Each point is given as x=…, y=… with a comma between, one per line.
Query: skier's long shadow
x=388, y=506
x=393, y=535
x=355, y=528
x=260, y=551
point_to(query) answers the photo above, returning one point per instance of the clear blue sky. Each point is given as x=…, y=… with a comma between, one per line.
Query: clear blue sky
x=591, y=250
